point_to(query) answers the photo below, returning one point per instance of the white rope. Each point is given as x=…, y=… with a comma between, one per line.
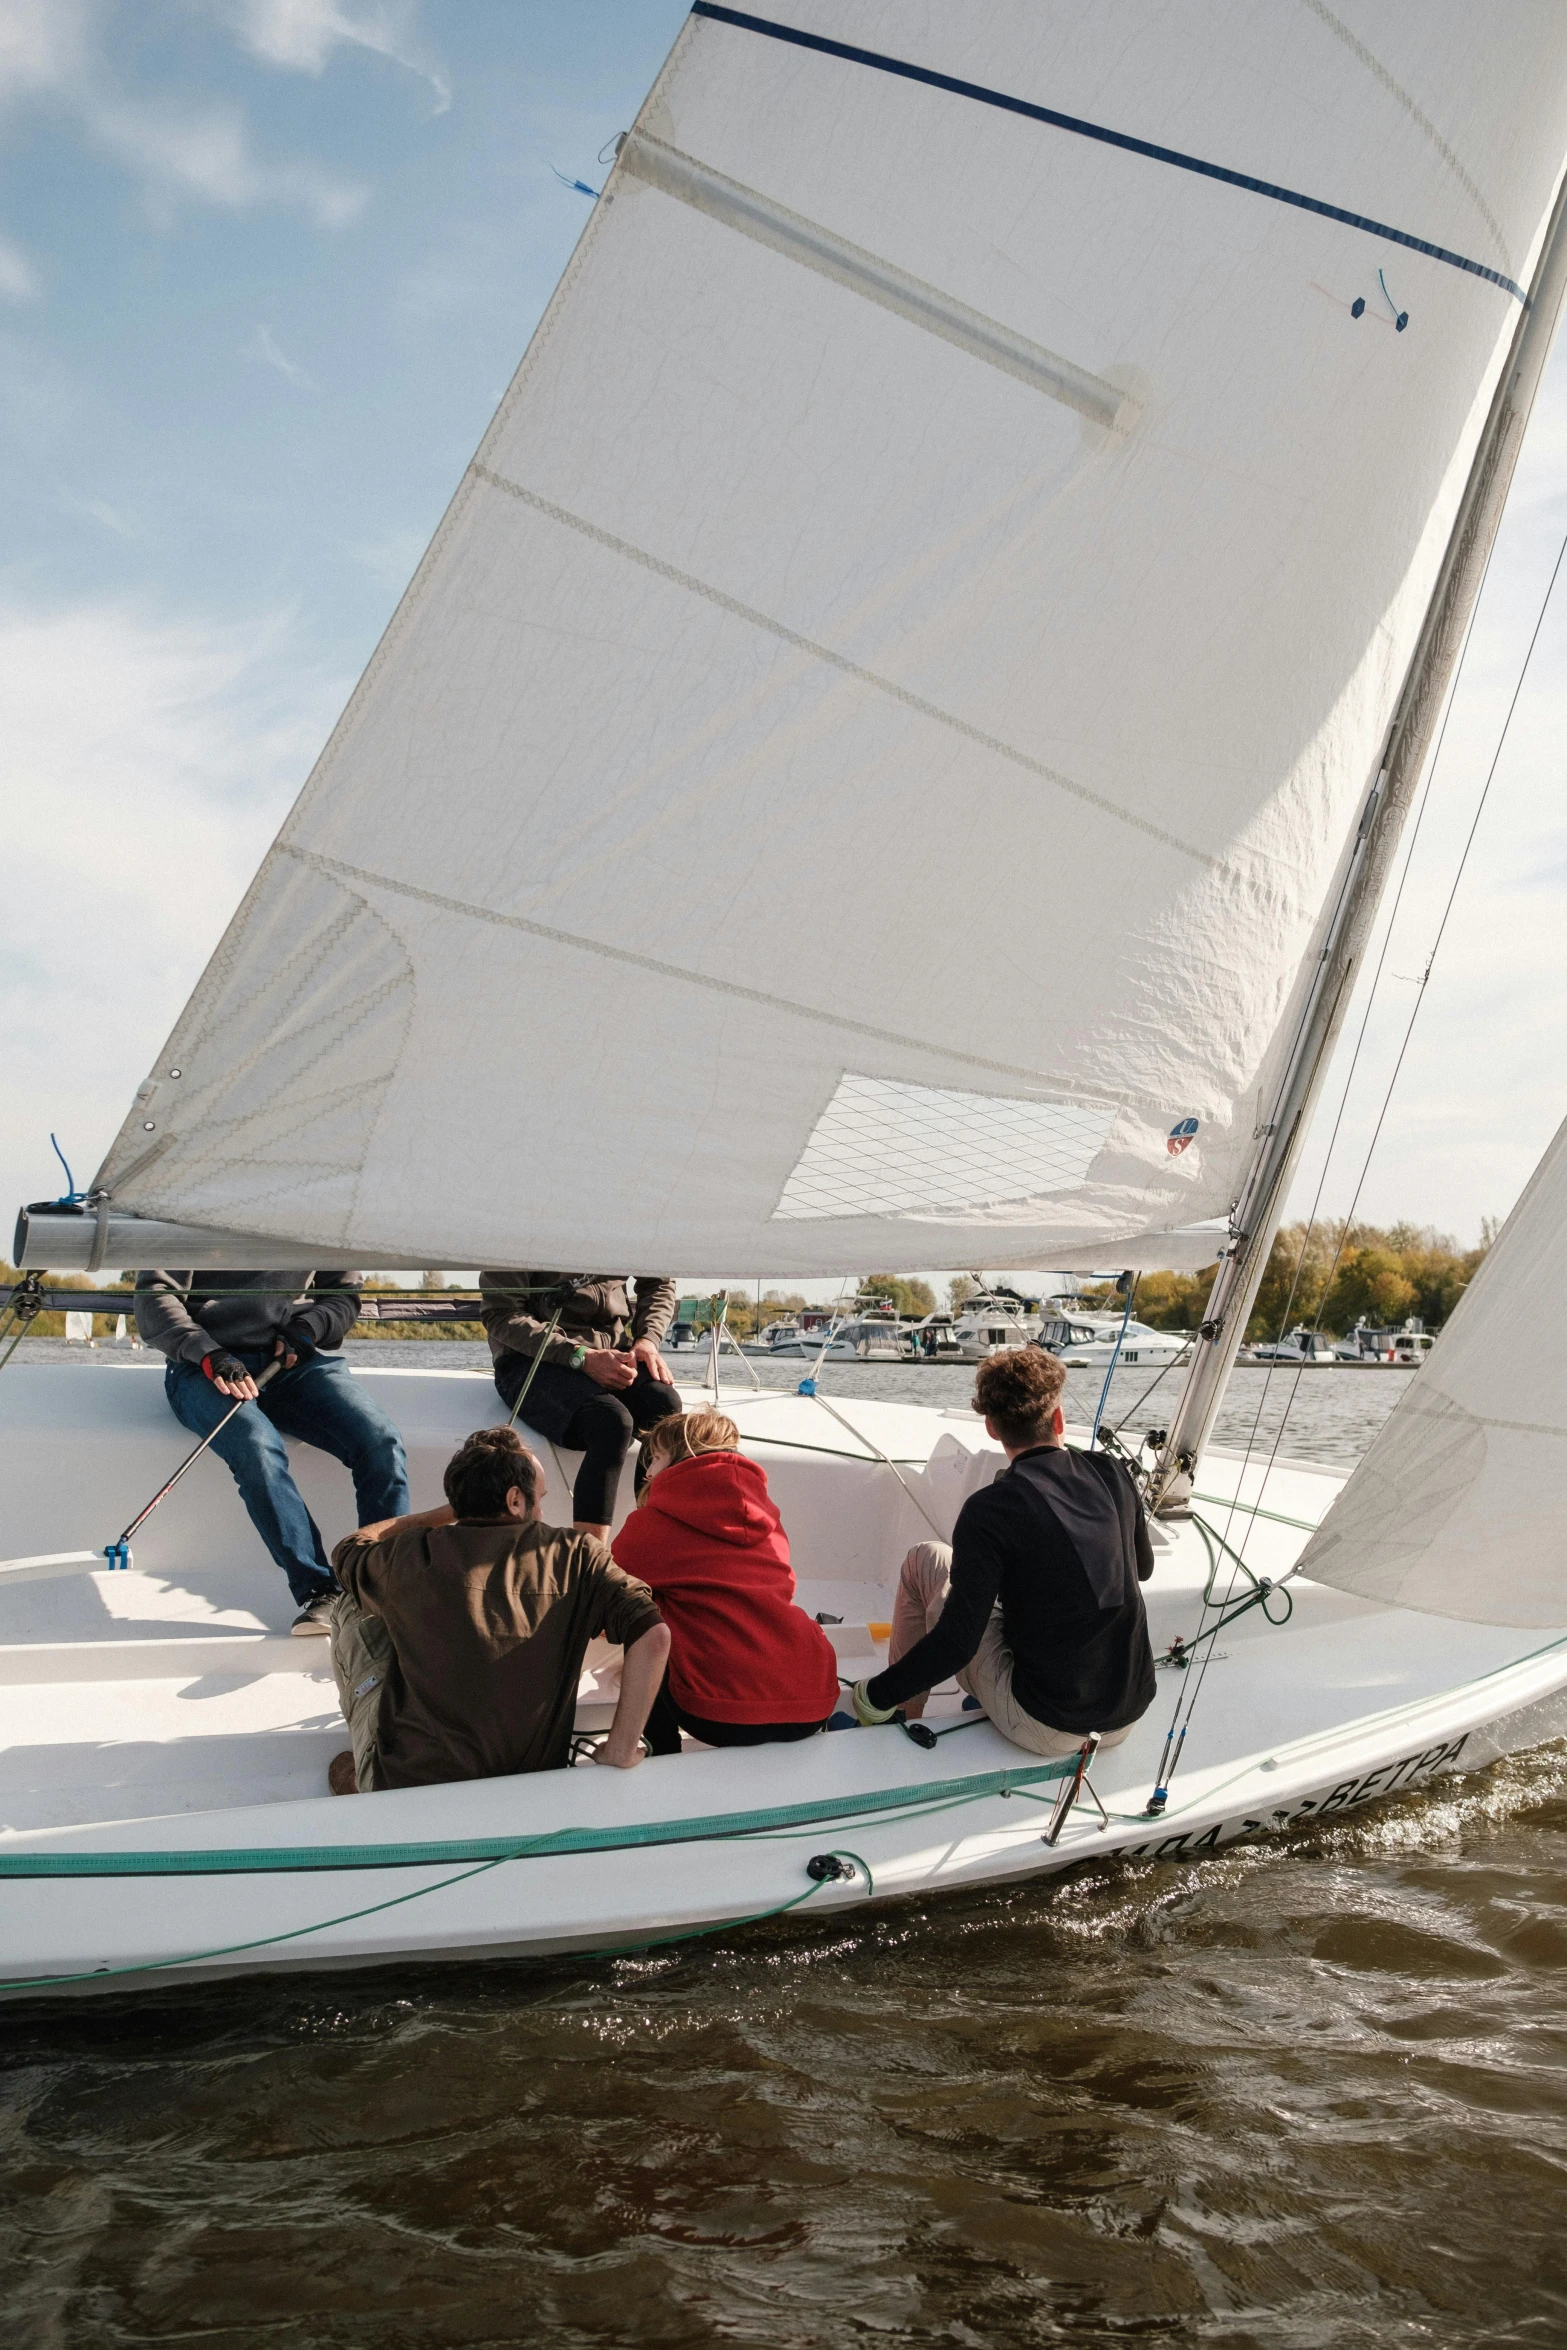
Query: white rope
x=875, y=1449
x=740, y=1351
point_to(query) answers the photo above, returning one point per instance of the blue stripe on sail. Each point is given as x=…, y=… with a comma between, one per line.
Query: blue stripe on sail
x=1107, y=138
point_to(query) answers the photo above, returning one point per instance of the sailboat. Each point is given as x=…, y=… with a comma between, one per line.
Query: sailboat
x=1026, y=436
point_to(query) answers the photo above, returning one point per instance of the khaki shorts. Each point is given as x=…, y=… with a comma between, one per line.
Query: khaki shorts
x=361, y=1656
x=923, y=1584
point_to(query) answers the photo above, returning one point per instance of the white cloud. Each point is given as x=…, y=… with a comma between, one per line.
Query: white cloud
x=18, y=278
x=50, y=53
x=145, y=763
x=263, y=347
x=99, y=510
x=208, y=154
x=301, y=35
x=43, y=45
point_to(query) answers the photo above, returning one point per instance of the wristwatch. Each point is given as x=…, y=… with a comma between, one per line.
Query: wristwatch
x=579, y=1357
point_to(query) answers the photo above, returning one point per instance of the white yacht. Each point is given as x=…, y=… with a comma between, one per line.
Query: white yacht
x=1301, y=1349
x=1093, y=1345
x=935, y=1339
x=859, y=1338
x=874, y=1338
x=1366, y=1344
x=778, y=1338
x=985, y=1325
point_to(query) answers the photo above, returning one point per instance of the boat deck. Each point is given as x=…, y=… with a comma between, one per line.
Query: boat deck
x=165, y=1713
x=175, y=1689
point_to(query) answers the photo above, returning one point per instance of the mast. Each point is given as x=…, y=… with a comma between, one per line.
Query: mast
x=1366, y=870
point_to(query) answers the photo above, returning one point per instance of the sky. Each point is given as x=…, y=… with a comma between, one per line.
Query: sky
x=266, y=267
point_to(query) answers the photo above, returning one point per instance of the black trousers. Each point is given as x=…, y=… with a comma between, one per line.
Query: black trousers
x=667, y=1720
x=599, y=1422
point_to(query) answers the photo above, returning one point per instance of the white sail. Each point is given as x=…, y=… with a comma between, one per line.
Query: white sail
x=858, y=774
x=1456, y=1509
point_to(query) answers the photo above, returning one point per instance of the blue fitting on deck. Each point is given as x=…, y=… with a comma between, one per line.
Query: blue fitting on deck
x=806, y=1387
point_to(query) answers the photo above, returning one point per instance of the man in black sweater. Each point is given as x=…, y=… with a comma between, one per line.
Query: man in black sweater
x=1036, y=1604
x=220, y=1331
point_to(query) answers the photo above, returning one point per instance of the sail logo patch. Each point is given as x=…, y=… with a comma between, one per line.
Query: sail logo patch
x=1180, y=1135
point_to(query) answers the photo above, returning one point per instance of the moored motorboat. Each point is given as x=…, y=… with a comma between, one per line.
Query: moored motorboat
x=1302, y=1348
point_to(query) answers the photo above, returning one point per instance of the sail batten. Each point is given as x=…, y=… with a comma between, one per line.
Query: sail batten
x=864, y=273
x=803, y=719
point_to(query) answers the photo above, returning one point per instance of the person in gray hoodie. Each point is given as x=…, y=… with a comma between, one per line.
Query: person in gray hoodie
x=219, y=1331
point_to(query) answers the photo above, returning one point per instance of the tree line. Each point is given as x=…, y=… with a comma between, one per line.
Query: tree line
x=1329, y=1276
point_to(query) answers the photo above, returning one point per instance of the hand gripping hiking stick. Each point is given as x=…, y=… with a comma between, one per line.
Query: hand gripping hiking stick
x=117, y=1554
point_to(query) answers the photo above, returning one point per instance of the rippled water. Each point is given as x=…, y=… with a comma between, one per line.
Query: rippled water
x=1308, y=2092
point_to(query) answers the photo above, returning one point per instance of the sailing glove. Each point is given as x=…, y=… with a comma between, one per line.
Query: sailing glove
x=866, y=1714
x=224, y=1366
x=298, y=1338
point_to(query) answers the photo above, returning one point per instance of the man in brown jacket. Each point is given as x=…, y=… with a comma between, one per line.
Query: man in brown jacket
x=458, y=1640
x=601, y=1378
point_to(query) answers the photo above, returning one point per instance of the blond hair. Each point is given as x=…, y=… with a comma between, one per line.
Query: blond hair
x=685, y=1434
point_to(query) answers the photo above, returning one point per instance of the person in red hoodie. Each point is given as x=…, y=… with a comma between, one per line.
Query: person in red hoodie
x=746, y=1666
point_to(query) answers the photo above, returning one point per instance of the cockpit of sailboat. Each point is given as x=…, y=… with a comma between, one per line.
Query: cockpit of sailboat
x=988, y=444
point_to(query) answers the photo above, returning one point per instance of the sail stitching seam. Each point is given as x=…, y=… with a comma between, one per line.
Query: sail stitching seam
x=1395, y=89
x=660, y=970
x=840, y=662
x=1441, y=1408
x=308, y=1110
x=1105, y=137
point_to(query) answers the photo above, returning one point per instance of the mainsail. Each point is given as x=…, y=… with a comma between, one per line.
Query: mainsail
x=1455, y=1509
x=858, y=773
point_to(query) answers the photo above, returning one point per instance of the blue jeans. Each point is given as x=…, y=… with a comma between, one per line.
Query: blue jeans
x=317, y=1402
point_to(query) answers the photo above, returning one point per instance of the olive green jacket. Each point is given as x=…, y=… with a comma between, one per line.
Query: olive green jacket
x=595, y=1310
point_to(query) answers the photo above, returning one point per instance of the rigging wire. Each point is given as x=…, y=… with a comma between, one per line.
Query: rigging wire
x=1354, y=1063
x=1421, y=986
x=1186, y=1702
x=1173, y=1364
x=1130, y=1280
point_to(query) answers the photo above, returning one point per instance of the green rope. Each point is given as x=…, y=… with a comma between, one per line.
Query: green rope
x=153, y=1966
x=1254, y=1509
x=289, y=1860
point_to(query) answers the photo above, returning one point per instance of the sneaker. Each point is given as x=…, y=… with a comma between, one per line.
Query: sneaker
x=314, y=1617
x=341, y=1777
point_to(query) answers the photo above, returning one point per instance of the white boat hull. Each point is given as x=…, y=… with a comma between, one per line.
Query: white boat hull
x=161, y=1721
